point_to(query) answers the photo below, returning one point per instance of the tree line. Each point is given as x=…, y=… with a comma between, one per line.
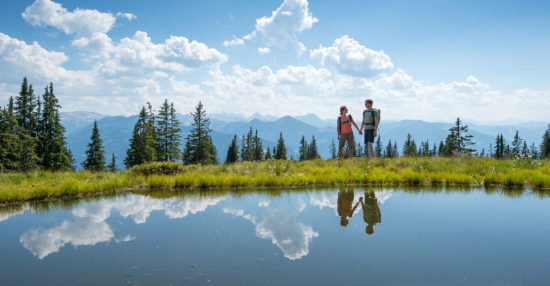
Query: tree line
x=32, y=137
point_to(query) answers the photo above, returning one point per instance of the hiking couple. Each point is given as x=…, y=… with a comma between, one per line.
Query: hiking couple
x=371, y=118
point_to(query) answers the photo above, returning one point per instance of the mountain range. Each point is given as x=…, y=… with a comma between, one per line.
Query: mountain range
x=115, y=132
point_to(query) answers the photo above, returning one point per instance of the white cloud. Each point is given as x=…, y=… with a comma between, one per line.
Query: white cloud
x=281, y=29
x=79, y=21
x=235, y=42
x=350, y=57
x=264, y=50
x=127, y=16
x=18, y=59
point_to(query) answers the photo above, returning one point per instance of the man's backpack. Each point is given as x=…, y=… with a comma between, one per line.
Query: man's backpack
x=372, y=113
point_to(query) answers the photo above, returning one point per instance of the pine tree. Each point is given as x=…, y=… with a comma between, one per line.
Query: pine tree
x=9, y=140
x=186, y=155
x=112, y=166
x=332, y=148
x=54, y=153
x=378, y=147
x=258, y=148
x=280, y=149
x=533, y=152
x=95, y=155
x=389, y=150
x=232, y=152
x=461, y=142
x=516, y=145
x=168, y=133
x=409, y=149
x=267, y=154
x=395, y=151
x=545, y=145
x=244, y=149
x=142, y=143
x=312, y=152
x=303, y=150
x=201, y=149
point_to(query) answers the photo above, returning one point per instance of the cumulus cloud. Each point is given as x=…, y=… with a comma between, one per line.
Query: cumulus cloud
x=139, y=55
x=127, y=16
x=281, y=29
x=348, y=56
x=19, y=59
x=80, y=21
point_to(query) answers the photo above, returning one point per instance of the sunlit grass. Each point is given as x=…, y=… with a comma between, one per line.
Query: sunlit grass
x=435, y=171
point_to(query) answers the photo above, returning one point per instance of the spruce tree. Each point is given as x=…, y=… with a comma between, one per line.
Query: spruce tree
x=258, y=148
x=378, y=147
x=303, y=152
x=462, y=140
x=201, y=149
x=545, y=144
x=112, y=166
x=332, y=148
x=54, y=154
x=409, y=149
x=232, y=152
x=516, y=145
x=95, y=155
x=142, y=147
x=9, y=140
x=168, y=133
x=312, y=153
x=267, y=154
x=280, y=149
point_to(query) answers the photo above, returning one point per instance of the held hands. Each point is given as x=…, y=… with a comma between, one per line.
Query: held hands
x=374, y=133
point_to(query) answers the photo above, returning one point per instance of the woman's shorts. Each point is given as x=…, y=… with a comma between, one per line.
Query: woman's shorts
x=346, y=138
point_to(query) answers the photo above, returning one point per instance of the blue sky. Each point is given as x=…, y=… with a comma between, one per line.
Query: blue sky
x=430, y=60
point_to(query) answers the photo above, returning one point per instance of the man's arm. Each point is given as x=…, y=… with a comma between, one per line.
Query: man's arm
x=353, y=121
x=353, y=209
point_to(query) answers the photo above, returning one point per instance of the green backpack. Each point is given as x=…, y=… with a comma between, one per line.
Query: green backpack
x=372, y=113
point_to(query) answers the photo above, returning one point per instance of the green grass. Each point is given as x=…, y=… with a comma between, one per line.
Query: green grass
x=273, y=173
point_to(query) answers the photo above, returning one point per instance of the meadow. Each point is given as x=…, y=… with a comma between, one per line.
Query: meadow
x=430, y=171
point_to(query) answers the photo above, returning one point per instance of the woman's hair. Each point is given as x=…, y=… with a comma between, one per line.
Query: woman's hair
x=342, y=108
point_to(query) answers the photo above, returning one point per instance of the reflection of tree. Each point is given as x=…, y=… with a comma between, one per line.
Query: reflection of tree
x=345, y=202
x=90, y=228
x=371, y=211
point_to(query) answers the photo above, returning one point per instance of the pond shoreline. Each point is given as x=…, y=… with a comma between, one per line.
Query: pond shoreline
x=273, y=174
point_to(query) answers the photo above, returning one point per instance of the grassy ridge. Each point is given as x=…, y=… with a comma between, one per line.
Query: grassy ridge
x=273, y=173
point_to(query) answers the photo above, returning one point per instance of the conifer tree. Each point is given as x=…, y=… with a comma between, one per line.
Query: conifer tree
x=312, y=152
x=258, y=148
x=245, y=149
x=389, y=150
x=459, y=141
x=332, y=148
x=232, y=152
x=112, y=166
x=280, y=149
x=201, y=149
x=303, y=150
x=395, y=151
x=378, y=147
x=95, y=155
x=9, y=140
x=54, y=154
x=267, y=154
x=534, y=154
x=545, y=145
x=516, y=145
x=409, y=149
x=168, y=133
x=142, y=143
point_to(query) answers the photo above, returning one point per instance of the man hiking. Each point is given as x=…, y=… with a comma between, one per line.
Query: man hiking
x=345, y=133
x=371, y=118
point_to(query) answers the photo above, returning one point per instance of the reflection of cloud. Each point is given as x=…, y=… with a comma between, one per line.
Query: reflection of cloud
x=82, y=231
x=290, y=236
x=90, y=228
x=324, y=200
x=383, y=196
x=263, y=204
x=281, y=227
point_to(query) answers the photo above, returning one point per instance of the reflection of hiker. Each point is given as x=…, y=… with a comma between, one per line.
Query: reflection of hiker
x=371, y=211
x=345, y=200
x=345, y=133
x=371, y=119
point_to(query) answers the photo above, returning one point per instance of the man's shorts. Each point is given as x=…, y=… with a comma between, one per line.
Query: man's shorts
x=369, y=136
x=346, y=138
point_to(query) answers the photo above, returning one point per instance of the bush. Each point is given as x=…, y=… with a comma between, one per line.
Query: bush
x=158, y=168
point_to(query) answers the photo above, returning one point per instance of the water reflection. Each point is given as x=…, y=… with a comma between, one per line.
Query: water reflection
x=371, y=211
x=345, y=202
x=89, y=226
x=280, y=224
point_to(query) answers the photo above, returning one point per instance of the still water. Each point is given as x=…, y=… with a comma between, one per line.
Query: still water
x=307, y=237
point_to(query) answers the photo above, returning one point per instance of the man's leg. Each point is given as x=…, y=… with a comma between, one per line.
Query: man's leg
x=371, y=151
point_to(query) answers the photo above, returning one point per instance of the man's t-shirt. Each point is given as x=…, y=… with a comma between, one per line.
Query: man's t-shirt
x=368, y=117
